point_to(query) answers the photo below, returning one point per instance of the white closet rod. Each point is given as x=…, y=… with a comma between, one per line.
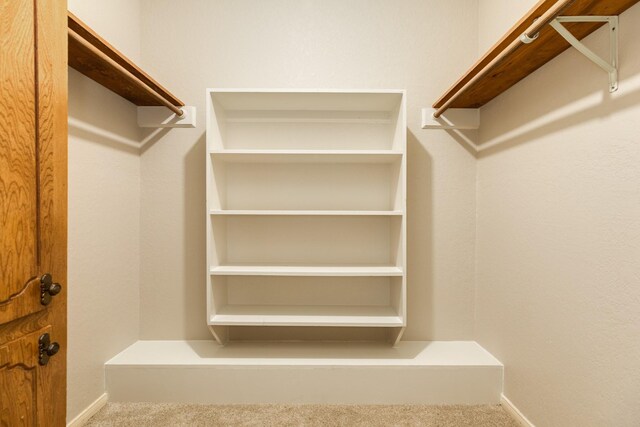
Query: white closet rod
x=530, y=34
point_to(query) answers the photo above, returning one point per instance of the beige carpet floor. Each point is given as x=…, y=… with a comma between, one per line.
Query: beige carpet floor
x=175, y=415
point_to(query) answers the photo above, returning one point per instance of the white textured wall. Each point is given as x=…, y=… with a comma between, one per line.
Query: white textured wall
x=104, y=211
x=414, y=44
x=496, y=17
x=559, y=235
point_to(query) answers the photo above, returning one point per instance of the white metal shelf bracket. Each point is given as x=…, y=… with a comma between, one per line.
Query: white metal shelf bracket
x=611, y=66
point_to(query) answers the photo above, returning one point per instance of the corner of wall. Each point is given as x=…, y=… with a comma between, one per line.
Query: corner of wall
x=104, y=213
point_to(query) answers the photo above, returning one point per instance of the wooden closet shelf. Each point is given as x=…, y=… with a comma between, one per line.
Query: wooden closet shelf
x=104, y=73
x=528, y=57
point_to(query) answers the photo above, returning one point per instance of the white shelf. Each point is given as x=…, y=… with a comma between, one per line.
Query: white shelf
x=287, y=270
x=290, y=315
x=249, y=212
x=328, y=100
x=307, y=156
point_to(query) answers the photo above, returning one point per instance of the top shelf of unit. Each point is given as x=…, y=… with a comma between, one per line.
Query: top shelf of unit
x=301, y=101
x=307, y=156
x=528, y=57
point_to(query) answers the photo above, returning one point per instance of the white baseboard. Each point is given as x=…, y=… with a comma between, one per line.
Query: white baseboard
x=515, y=412
x=89, y=411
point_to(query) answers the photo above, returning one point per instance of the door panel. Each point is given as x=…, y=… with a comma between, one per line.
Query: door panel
x=18, y=184
x=23, y=382
x=23, y=408
x=22, y=304
x=33, y=203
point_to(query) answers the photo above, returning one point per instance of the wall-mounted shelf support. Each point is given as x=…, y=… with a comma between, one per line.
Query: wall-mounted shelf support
x=161, y=117
x=530, y=44
x=611, y=66
x=453, y=118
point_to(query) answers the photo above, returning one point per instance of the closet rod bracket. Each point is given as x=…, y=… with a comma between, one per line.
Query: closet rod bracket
x=453, y=118
x=611, y=66
x=526, y=39
x=161, y=117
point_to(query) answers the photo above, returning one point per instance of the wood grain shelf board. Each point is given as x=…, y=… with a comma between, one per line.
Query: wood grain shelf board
x=97, y=69
x=307, y=270
x=528, y=57
x=306, y=315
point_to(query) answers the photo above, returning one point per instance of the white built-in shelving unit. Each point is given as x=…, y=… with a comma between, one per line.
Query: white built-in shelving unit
x=306, y=204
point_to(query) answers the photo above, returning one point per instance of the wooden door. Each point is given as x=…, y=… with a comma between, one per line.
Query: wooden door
x=33, y=212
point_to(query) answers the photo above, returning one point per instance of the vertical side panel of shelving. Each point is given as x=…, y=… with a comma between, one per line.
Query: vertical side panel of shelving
x=216, y=123
x=400, y=143
x=400, y=125
x=209, y=135
x=403, y=141
x=215, y=197
x=217, y=184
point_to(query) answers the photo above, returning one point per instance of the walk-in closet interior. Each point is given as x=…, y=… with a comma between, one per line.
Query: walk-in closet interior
x=320, y=212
